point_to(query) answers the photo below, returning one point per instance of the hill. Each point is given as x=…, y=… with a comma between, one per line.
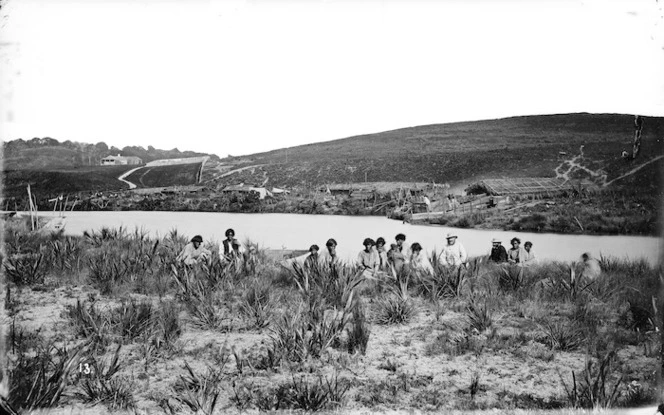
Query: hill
x=584, y=146
x=51, y=183
x=457, y=153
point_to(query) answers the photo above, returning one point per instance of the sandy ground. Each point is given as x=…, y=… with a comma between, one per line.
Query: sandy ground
x=418, y=376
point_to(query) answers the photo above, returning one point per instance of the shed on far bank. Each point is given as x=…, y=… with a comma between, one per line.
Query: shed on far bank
x=529, y=186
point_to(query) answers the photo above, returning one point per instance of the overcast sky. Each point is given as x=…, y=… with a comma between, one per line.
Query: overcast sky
x=239, y=77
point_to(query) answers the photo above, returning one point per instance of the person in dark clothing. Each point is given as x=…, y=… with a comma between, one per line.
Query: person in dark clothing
x=498, y=252
x=311, y=262
x=226, y=248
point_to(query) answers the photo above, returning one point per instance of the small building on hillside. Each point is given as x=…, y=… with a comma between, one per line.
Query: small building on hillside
x=120, y=160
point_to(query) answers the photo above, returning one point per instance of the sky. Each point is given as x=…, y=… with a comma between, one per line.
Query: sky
x=240, y=77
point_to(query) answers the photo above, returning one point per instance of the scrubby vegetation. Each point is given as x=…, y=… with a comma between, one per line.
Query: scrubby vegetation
x=109, y=318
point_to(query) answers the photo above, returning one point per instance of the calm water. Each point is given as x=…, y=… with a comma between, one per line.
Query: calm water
x=290, y=231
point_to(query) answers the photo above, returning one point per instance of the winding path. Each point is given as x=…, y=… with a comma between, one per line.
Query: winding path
x=125, y=174
x=634, y=170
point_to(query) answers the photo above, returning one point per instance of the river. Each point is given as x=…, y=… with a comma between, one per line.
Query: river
x=291, y=231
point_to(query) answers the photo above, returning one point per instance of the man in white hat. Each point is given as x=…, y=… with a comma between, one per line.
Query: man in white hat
x=498, y=252
x=454, y=254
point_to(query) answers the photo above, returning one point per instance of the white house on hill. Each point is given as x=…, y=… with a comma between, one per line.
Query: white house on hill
x=120, y=160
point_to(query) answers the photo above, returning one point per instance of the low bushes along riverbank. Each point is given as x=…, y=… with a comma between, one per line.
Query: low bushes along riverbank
x=110, y=320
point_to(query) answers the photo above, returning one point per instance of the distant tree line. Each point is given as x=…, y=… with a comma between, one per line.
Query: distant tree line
x=85, y=154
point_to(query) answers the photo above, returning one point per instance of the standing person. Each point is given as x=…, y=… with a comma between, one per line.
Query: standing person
x=330, y=257
x=498, y=252
x=454, y=254
x=528, y=254
x=516, y=254
x=418, y=259
x=311, y=262
x=367, y=259
x=227, y=245
x=194, y=252
x=382, y=253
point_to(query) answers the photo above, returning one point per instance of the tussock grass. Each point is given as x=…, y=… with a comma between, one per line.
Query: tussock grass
x=594, y=387
x=258, y=303
x=479, y=313
x=90, y=323
x=42, y=370
x=102, y=386
x=563, y=336
x=315, y=320
x=300, y=393
x=27, y=270
x=394, y=309
x=133, y=318
x=195, y=393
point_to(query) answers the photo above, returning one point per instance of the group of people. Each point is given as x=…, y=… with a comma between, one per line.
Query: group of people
x=375, y=257
x=230, y=251
x=516, y=255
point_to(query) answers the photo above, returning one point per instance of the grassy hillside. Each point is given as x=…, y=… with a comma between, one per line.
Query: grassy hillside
x=461, y=152
x=50, y=183
x=179, y=174
x=456, y=153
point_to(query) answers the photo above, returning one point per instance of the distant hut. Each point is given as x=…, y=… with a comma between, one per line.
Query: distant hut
x=528, y=186
x=120, y=160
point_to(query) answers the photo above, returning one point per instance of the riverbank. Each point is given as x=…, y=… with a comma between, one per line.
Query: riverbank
x=158, y=337
x=614, y=212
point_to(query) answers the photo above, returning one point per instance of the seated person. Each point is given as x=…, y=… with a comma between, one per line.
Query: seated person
x=396, y=258
x=498, y=252
x=194, y=252
x=516, y=253
x=453, y=254
x=418, y=259
x=330, y=257
x=235, y=253
x=528, y=254
x=311, y=262
x=368, y=259
x=251, y=259
x=382, y=253
x=591, y=267
x=402, y=246
x=227, y=246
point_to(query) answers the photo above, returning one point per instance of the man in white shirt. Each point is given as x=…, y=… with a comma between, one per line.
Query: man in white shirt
x=454, y=254
x=194, y=252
